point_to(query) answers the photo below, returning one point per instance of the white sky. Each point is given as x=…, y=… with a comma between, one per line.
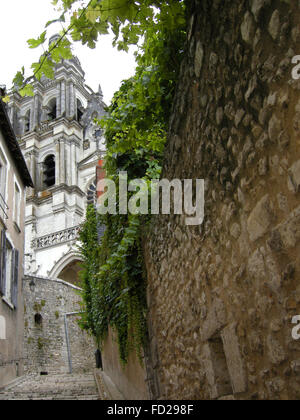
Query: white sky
x=21, y=20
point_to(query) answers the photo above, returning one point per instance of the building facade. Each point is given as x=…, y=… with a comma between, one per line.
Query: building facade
x=62, y=146
x=14, y=178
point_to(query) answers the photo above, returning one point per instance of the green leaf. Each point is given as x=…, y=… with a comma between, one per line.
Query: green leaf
x=34, y=43
x=93, y=14
x=44, y=67
x=61, y=51
x=27, y=91
x=18, y=79
x=60, y=19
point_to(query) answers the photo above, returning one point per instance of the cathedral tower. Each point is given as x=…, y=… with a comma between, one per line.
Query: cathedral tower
x=61, y=145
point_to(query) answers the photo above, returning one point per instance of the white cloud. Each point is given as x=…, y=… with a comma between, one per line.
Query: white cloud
x=24, y=19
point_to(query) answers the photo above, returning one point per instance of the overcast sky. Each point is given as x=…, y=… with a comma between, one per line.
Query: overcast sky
x=25, y=19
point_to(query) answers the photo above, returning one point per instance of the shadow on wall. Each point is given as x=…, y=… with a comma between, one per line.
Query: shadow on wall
x=130, y=380
x=70, y=273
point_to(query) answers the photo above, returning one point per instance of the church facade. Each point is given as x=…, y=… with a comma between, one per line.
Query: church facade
x=62, y=145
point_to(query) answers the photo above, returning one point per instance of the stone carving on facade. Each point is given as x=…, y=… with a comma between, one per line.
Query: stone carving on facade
x=54, y=239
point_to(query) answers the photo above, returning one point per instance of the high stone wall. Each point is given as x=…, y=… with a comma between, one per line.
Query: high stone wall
x=45, y=342
x=222, y=296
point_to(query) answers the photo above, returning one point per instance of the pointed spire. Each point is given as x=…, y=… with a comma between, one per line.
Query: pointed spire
x=100, y=93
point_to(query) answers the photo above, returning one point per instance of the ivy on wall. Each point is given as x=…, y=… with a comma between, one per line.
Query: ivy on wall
x=113, y=277
x=113, y=280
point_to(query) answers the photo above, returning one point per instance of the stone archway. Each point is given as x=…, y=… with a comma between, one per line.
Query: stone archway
x=68, y=268
x=70, y=273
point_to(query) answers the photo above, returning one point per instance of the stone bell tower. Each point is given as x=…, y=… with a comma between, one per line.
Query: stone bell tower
x=62, y=146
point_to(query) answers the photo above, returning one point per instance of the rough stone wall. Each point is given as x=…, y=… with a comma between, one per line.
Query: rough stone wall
x=222, y=296
x=129, y=379
x=45, y=344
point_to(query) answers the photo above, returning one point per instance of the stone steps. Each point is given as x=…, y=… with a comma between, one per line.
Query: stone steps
x=44, y=398
x=53, y=387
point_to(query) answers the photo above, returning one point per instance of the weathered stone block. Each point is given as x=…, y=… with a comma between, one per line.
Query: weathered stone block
x=260, y=219
x=248, y=28
x=275, y=128
x=216, y=319
x=234, y=359
x=274, y=25
x=294, y=177
x=276, y=352
x=289, y=231
x=257, y=6
x=235, y=231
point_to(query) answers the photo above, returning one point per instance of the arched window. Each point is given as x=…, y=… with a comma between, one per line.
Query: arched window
x=52, y=109
x=92, y=194
x=27, y=121
x=80, y=110
x=49, y=171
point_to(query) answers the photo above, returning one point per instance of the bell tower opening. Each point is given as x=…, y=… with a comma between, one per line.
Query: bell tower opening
x=80, y=110
x=49, y=171
x=27, y=122
x=52, y=109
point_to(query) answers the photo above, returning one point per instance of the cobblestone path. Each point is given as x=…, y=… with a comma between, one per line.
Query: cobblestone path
x=52, y=387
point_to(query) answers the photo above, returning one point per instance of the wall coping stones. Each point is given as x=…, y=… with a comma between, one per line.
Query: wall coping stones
x=27, y=278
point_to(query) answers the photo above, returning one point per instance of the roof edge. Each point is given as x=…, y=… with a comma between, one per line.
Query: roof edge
x=13, y=145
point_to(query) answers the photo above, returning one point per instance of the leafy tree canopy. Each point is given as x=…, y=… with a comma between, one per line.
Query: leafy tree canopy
x=114, y=283
x=83, y=20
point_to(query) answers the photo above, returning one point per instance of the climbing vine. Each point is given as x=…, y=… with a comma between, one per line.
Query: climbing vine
x=114, y=280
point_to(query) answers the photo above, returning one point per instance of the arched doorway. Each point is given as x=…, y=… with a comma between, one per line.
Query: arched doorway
x=70, y=273
x=68, y=268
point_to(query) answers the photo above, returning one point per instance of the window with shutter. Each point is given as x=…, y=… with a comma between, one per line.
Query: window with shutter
x=17, y=204
x=8, y=270
x=3, y=263
x=3, y=175
x=15, y=278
